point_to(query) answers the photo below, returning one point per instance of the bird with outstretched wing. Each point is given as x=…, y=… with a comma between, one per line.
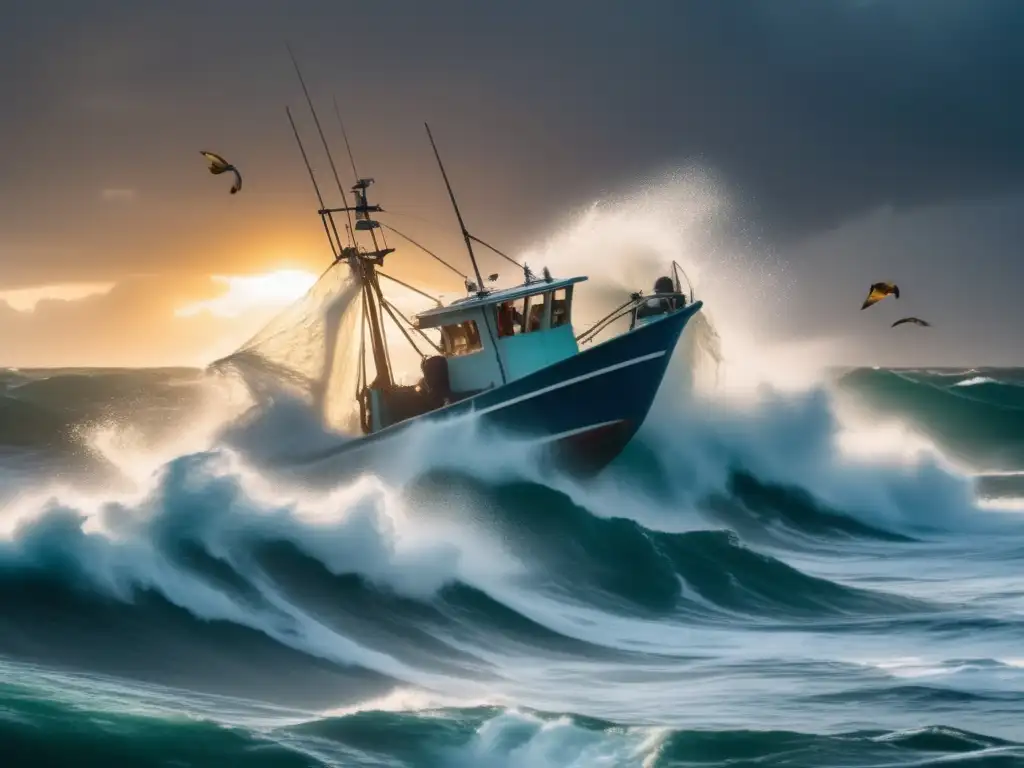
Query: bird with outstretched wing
x=219, y=165
x=912, y=321
x=879, y=291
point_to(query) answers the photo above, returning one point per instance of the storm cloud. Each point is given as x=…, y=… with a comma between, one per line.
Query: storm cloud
x=814, y=114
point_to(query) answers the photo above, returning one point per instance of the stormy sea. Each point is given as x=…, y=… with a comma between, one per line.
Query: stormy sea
x=827, y=575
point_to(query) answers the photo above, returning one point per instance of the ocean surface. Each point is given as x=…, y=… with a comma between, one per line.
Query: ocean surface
x=822, y=576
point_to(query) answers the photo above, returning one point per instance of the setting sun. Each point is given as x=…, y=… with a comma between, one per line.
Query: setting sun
x=246, y=292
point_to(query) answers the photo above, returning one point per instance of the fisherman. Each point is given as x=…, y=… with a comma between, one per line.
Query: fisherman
x=509, y=318
x=664, y=300
x=667, y=289
x=506, y=324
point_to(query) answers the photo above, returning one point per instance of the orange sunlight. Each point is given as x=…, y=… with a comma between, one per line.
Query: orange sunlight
x=26, y=299
x=248, y=292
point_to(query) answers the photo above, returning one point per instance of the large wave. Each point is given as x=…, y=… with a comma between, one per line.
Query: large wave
x=977, y=417
x=753, y=514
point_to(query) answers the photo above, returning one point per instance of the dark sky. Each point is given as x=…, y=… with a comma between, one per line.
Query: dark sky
x=856, y=140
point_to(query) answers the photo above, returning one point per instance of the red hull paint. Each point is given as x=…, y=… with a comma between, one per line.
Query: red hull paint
x=588, y=452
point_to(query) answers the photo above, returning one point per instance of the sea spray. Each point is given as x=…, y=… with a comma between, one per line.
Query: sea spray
x=740, y=585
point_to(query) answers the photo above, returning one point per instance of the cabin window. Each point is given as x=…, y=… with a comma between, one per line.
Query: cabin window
x=560, y=304
x=460, y=339
x=522, y=316
x=535, y=317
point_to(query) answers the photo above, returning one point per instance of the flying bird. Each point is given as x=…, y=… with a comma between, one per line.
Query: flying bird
x=914, y=320
x=879, y=291
x=219, y=165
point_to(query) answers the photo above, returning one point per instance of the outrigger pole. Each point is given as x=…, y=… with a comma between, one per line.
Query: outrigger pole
x=467, y=236
x=481, y=289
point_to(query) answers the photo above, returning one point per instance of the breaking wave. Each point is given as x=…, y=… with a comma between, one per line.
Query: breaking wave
x=789, y=575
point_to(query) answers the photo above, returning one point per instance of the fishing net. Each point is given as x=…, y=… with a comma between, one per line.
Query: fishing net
x=310, y=351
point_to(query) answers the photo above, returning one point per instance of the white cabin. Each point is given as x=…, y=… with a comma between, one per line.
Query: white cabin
x=500, y=336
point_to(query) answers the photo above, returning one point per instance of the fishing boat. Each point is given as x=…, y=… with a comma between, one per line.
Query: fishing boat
x=508, y=357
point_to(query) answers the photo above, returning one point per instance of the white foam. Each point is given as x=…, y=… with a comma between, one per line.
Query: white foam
x=774, y=418
x=975, y=381
x=516, y=739
x=361, y=528
x=415, y=700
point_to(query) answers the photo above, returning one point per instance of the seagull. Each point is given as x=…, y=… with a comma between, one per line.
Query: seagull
x=219, y=165
x=879, y=291
x=914, y=320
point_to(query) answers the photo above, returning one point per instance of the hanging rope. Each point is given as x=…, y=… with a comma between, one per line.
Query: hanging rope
x=503, y=255
x=410, y=287
x=412, y=325
x=391, y=313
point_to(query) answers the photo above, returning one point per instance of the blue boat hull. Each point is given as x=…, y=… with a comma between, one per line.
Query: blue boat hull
x=586, y=408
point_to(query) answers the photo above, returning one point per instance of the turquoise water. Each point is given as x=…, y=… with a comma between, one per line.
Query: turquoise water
x=734, y=590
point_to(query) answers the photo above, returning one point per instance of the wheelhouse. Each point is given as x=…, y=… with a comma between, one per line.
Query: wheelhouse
x=500, y=336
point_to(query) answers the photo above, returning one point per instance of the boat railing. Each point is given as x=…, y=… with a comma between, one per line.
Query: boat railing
x=676, y=301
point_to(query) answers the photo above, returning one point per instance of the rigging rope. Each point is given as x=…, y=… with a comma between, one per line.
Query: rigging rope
x=425, y=250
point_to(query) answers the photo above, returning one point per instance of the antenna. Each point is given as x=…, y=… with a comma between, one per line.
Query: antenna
x=316, y=120
x=465, y=233
x=362, y=207
x=312, y=177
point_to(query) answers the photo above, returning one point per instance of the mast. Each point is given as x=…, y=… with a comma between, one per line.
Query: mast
x=380, y=353
x=481, y=290
x=363, y=263
x=366, y=262
x=374, y=397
